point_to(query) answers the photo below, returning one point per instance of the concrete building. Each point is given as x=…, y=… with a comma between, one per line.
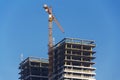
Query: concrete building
x=72, y=60
x=34, y=68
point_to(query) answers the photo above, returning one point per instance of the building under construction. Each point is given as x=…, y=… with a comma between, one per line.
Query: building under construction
x=72, y=60
x=34, y=69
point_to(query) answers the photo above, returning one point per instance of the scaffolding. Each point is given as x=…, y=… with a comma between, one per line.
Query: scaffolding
x=73, y=60
x=33, y=68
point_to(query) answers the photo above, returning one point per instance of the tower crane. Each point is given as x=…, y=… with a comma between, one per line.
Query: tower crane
x=50, y=39
x=51, y=19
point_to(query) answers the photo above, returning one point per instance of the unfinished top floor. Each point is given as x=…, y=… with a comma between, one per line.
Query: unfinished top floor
x=77, y=41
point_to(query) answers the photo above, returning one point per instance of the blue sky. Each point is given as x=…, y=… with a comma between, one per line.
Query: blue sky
x=24, y=29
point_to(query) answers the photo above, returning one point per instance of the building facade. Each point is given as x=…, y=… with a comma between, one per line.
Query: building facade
x=73, y=60
x=34, y=68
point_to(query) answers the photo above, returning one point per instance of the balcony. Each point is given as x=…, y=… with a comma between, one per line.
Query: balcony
x=91, y=68
x=80, y=71
x=79, y=77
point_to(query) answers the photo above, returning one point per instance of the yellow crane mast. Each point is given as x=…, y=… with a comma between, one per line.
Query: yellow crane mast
x=50, y=37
